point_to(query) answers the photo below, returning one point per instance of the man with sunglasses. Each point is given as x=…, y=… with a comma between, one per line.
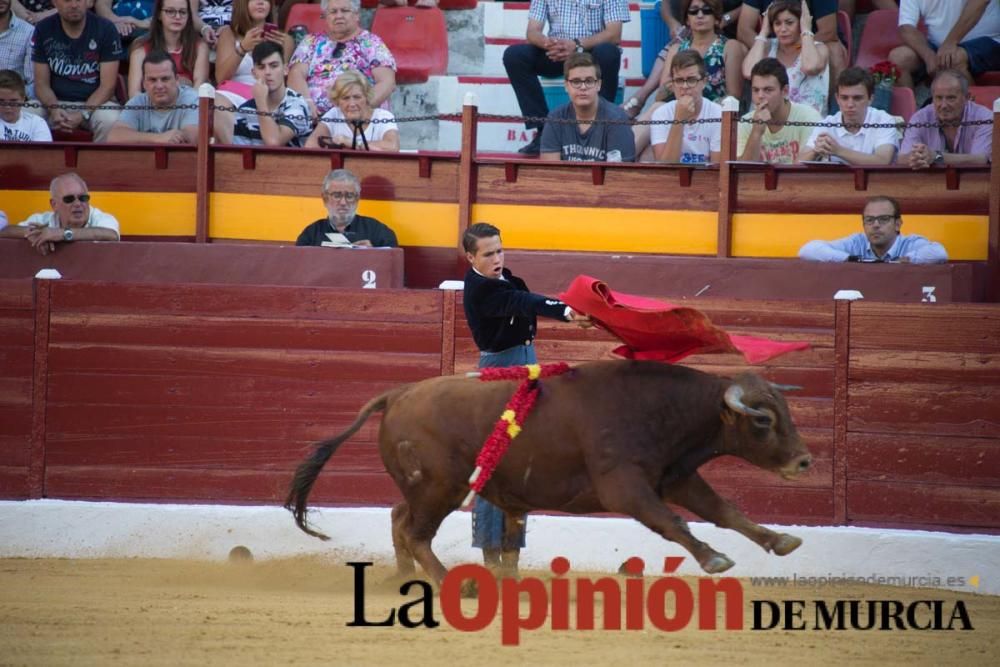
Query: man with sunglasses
x=880, y=241
x=71, y=219
x=343, y=226
x=575, y=131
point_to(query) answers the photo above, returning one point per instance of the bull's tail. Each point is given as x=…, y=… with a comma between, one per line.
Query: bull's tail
x=308, y=470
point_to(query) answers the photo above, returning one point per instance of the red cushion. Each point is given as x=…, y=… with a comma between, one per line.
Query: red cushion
x=417, y=38
x=307, y=15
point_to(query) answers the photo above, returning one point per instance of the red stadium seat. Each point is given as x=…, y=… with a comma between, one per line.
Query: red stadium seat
x=442, y=4
x=903, y=103
x=417, y=38
x=308, y=15
x=880, y=36
x=985, y=95
x=988, y=79
x=844, y=24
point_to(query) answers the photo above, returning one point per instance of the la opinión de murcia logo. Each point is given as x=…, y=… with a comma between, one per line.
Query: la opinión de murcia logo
x=635, y=604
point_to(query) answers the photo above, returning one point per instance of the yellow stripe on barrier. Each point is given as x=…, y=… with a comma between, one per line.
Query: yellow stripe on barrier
x=602, y=229
x=280, y=218
x=138, y=213
x=781, y=235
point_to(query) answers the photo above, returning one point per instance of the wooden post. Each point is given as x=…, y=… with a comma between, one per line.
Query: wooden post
x=206, y=98
x=727, y=183
x=993, y=249
x=467, y=173
x=39, y=390
x=841, y=358
x=448, y=332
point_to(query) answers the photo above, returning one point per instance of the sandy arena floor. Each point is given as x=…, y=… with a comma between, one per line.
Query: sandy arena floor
x=161, y=612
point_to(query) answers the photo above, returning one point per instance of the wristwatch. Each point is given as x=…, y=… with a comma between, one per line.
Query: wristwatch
x=726, y=18
x=579, y=46
x=67, y=235
x=86, y=113
x=938, y=157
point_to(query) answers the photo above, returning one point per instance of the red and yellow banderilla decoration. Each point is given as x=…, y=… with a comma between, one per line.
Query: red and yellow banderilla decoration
x=509, y=425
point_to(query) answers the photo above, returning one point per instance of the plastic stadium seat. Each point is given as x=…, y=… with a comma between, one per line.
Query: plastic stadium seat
x=880, y=36
x=417, y=38
x=903, y=103
x=985, y=95
x=988, y=79
x=442, y=4
x=844, y=24
x=308, y=15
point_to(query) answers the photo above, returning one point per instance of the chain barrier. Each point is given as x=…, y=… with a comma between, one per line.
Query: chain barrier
x=457, y=117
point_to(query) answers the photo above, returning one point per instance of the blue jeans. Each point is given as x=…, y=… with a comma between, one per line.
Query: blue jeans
x=488, y=520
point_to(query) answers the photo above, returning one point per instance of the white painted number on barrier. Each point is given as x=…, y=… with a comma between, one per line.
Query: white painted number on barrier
x=929, y=294
x=368, y=279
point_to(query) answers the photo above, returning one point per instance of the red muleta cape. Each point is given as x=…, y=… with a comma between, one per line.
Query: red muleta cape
x=660, y=331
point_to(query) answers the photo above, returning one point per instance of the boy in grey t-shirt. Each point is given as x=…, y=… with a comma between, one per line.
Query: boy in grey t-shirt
x=582, y=139
x=164, y=123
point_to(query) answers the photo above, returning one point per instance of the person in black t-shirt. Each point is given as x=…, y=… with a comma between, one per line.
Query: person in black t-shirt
x=341, y=194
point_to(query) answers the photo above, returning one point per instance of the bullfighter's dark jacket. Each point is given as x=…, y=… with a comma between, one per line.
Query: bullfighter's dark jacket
x=502, y=313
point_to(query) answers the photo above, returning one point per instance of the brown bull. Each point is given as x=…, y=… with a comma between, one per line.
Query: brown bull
x=609, y=436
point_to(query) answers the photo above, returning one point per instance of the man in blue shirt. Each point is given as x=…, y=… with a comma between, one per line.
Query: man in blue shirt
x=880, y=242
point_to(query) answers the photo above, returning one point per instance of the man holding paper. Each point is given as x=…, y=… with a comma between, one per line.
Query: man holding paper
x=343, y=227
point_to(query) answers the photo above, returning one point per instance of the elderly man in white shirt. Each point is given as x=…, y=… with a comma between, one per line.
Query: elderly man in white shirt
x=849, y=142
x=71, y=219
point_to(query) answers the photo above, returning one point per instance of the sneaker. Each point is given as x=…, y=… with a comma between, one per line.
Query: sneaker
x=533, y=148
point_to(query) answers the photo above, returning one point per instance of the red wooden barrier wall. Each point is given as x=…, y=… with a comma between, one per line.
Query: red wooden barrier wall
x=203, y=393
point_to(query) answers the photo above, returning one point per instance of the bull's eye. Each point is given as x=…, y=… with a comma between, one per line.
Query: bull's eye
x=763, y=421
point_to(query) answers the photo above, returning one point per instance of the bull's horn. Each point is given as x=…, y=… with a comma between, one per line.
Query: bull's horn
x=734, y=399
x=786, y=387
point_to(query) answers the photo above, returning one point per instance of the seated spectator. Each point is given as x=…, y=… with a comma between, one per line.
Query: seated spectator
x=131, y=17
x=320, y=59
x=564, y=139
x=960, y=35
x=209, y=17
x=573, y=28
x=15, y=124
x=71, y=218
x=352, y=122
x=341, y=194
x=849, y=6
x=771, y=139
x=234, y=68
x=164, y=123
x=821, y=28
x=849, y=142
x=285, y=119
x=723, y=57
x=33, y=11
x=880, y=242
x=688, y=143
x=806, y=59
x=76, y=56
x=171, y=29
x=674, y=15
x=951, y=142
x=3, y=220
x=15, y=43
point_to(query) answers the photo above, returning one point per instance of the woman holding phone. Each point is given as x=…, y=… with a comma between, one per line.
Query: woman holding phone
x=233, y=64
x=171, y=29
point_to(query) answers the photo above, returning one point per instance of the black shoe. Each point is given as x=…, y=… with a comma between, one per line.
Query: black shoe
x=533, y=148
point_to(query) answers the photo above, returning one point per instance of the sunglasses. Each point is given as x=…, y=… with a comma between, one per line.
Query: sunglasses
x=69, y=199
x=703, y=10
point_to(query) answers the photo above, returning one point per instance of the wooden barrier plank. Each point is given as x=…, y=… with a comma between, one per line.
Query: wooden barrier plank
x=13, y=482
x=971, y=367
x=731, y=471
x=105, y=167
x=16, y=295
x=307, y=303
x=558, y=184
x=944, y=505
x=939, y=327
x=204, y=330
x=783, y=505
x=300, y=173
x=14, y=448
x=956, y=409
x=923, y=459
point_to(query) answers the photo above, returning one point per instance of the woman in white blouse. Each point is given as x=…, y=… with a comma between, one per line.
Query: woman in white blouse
x=353, y=122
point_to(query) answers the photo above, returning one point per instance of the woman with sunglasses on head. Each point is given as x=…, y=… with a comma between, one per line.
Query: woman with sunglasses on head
x=794, y=45
x=349, y=124
x=233, y=63
x=171, y=29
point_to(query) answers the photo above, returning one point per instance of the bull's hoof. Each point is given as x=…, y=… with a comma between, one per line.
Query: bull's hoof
x=470, y=589
x=786, y=544
x=717, y=563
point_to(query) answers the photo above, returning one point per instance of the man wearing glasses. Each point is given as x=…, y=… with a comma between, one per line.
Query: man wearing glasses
x=692, y=133
x=574, y=27
x=575, y=131
x=880, y=241
x=71, y=219
x=343, y=226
